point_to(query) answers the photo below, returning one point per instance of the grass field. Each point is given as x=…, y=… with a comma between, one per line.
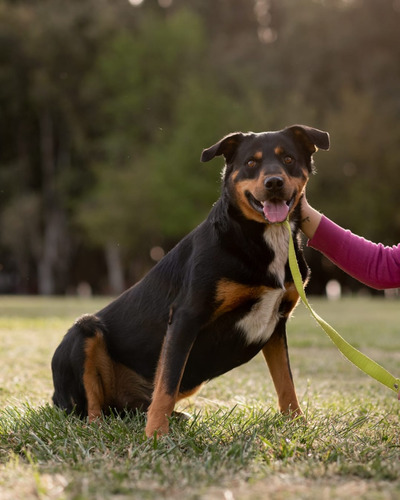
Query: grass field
x=235, y=446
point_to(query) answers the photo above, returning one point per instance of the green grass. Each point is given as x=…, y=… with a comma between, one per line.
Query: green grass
x=236, y=445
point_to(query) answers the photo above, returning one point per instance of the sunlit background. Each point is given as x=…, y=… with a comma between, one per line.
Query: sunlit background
x=106, y=105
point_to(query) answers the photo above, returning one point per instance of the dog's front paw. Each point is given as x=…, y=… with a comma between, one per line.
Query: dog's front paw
x=159, y=425
x=293, y=412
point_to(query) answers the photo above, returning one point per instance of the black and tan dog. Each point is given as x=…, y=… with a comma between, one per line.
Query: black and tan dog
x=223, y=294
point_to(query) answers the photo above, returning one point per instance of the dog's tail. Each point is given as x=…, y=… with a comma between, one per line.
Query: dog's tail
x=68, y=365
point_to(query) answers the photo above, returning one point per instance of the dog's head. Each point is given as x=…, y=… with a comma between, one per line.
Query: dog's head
x=266, y=173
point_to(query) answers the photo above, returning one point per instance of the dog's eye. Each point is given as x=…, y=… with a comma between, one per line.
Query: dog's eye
x=251, y=163
x=288, y=160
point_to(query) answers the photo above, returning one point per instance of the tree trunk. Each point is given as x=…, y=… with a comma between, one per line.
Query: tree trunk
x=47, y=260
x=114, y=267
x=50, y=255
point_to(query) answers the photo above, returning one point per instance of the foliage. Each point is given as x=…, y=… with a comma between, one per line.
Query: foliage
x=105, y=108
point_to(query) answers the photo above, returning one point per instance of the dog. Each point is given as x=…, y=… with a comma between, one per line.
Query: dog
x=222, y=295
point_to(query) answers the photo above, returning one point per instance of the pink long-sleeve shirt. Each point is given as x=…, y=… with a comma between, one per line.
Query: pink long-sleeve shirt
x=373, y=264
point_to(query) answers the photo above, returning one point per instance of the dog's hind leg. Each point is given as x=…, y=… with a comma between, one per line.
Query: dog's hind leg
x=86, y=378
x=73, y=365
x=98, y=376
x=277, y=357
x=109, y=384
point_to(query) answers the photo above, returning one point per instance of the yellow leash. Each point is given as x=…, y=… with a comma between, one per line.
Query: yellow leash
x=363, y=362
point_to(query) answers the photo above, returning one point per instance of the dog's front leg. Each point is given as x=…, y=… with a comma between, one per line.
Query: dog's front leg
x=277, y=357
x=171, y=365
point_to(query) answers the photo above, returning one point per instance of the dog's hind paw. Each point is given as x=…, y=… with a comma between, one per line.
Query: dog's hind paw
x=181, y=416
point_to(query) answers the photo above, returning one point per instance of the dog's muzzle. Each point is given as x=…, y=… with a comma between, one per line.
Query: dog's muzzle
x=273, y=209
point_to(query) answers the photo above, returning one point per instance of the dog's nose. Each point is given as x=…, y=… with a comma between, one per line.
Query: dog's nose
x=273, y=183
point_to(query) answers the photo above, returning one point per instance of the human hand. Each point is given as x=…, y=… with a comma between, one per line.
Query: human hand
x=310, y=218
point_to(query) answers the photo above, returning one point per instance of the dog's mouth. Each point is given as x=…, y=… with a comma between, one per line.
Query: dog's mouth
x=275, y=210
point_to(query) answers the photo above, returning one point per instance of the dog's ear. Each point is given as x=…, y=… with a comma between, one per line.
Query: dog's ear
x=311, y=138
x=226, y=146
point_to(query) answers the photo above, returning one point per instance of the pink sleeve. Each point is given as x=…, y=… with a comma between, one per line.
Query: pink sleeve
x=374, y=264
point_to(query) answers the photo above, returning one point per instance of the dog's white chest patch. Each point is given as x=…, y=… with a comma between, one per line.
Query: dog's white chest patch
x=259, y=324
x=277, y=238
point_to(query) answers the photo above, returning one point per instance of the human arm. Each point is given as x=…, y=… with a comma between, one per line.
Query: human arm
x=373, y=264
x=310, y=218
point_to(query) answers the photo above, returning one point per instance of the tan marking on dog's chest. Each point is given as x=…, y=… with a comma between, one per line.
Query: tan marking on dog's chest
x=229, y=295
x=259, y=323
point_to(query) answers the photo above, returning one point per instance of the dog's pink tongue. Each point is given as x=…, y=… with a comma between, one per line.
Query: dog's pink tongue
x=275, y=212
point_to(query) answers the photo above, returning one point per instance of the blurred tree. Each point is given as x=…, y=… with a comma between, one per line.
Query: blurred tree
x=158, y=191
x=136, y=82
x=47, y=48
x=359, y=177
x=105, y=108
